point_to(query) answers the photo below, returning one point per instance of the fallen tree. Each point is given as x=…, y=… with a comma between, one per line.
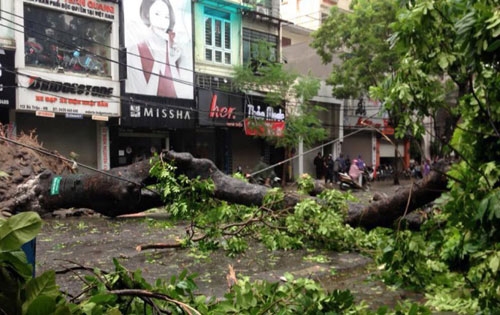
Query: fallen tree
x=123, y=190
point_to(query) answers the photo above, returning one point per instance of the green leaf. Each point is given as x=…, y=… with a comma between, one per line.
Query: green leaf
x=19, y=229
x=41, y=305
x=44, y=285
x=494, y=263
x=17, y=260
x=443, y=61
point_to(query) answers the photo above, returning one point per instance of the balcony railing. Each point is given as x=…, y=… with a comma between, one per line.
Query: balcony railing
x=264, y=7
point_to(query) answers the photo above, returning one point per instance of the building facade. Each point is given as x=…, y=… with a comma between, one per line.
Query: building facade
x=355, y=127
x=67, y=85
x=100, y=79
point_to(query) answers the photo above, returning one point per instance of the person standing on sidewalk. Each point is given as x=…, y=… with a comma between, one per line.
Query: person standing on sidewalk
x=329, y=169
x=318, y=164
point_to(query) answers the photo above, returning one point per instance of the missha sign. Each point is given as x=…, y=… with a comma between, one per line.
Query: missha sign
x=155, y=114
x=41, y=91
x=220, y=109
x=91, y=8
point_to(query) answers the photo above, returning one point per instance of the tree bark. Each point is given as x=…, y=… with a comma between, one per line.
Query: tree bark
x=386, y=212
x=123, y=190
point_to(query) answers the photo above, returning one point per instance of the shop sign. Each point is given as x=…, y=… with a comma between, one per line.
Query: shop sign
x=73, y=116
x=100, y=118
x=264, y=120
x=104, y=148
x=91, y=8
x=167, y=70
x=220, y=109
x=381, y=124
x=7, y=79
x=158, y=115
x=265, y=112
x=59, y=93
x=262, y=128
x=41, y=113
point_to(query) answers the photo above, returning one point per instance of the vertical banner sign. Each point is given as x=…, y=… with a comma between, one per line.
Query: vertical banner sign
x=104, y=148
x=158, y=38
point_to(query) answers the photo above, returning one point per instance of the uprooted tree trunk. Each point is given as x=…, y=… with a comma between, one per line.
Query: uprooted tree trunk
x=387, y=211
x=123, y=190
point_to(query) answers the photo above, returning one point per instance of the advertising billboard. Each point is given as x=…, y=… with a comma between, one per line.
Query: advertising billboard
x=158, y=38
x=71, y=37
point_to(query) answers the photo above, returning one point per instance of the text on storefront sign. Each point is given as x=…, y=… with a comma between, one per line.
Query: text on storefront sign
x=70, y=88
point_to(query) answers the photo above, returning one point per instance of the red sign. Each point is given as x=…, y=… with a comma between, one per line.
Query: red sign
x=41, y=113
x=386, y=130
x=220, y=111
x=264, y=128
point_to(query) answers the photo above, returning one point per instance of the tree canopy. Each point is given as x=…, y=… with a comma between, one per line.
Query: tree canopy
x=430, y=58
x=360, y=39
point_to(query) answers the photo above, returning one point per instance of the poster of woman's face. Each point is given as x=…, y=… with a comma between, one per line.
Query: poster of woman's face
x=158, y=38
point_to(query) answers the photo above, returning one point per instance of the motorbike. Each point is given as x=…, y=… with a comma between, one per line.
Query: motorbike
x=274, y=181
x=346, y=182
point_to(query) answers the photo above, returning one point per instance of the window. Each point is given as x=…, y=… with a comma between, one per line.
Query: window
x=58, y=40
x=217, y=36
x=251, y=40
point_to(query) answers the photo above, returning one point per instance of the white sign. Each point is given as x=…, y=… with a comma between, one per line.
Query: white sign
x=257, y=111
x=104, y=147
x=92, y=8
x=64, y=94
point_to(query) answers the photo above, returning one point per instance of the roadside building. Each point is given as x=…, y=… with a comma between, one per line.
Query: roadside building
x=67, y=85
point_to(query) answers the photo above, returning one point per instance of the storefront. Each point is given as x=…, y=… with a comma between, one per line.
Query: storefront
x=158, y=107
x=149, y=125
x=221, y=127
x=376, y=144
x=262, y=121
x=68, y=116
x=68, y=90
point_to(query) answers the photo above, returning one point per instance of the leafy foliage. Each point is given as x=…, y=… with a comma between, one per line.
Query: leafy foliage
x=357, y=42
x=309, y=223
x=438, y=59
x=305, y=184
x=455, y=258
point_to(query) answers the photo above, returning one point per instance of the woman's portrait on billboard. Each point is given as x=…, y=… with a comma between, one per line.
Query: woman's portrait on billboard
x=160, y=63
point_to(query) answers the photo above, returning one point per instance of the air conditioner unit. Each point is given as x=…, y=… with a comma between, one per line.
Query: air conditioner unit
x=263, y=10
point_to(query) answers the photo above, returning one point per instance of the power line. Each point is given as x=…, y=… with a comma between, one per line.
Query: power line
x=130, y=99
x=367, y=128
x=109, y=59
x=114, y=48
x=81, y=38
